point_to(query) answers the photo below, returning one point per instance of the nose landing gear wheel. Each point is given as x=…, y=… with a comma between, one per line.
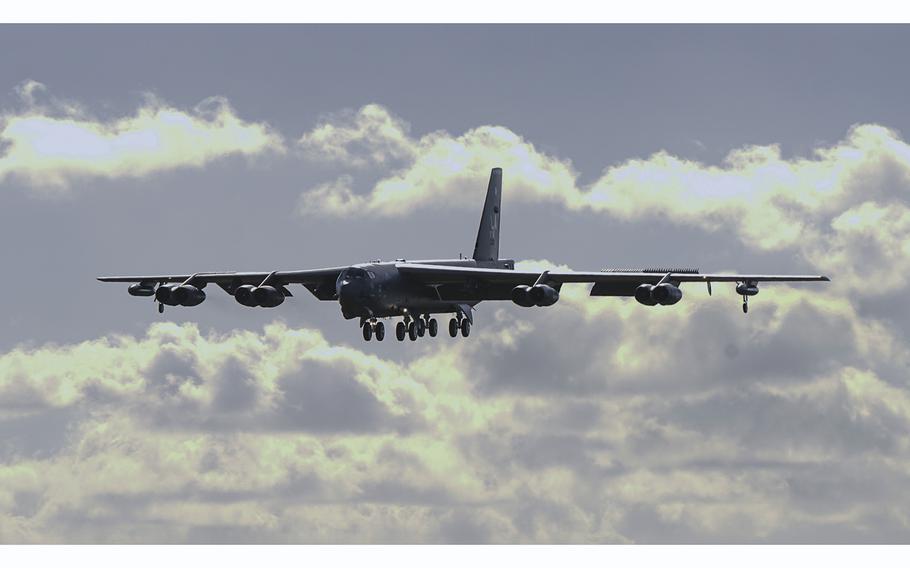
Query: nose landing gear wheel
x=367, y=331
x=379, y=330
x=412, y=331
x=453, y=327
x=400, y=331
x=465, y=327
x=433, y=327
x=421, y=327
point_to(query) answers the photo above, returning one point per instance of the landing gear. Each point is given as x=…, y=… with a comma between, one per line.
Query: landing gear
x=465, y=327
x=372, y=327
x=160, y=308
x=432, y=327
x=453, y=327
x=400, y=331
x=412, y=331
x=745, y=304
x=421, y=327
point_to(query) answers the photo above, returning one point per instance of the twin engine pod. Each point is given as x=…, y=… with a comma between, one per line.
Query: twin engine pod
x=259, y=296
x=537, y=295
x=179, y=295
x=665, y=294
x=142, y=289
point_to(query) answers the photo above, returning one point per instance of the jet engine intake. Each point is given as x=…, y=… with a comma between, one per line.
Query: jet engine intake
x=543, y=295
x=666, y=294
x=643, y=295
x=267, y=296
x=142, y=289
x=521, y=295
x=186, y=295
x=244, y=296
x=165, y=295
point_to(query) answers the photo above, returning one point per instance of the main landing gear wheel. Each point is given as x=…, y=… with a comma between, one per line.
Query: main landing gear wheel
x=433, y=327
x=367, y=331
x=160, y=308
x=400, y=331
x=412, y=331
x=453, y=327
x=421, y=327
x=745, y=304
x=465, y=327
x=379, y=330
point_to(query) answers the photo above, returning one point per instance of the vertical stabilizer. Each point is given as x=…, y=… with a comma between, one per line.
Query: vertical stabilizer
x=487, y=245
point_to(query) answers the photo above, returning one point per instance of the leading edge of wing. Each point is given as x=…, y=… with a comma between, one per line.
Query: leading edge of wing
x=439, y=274
x=283, y=277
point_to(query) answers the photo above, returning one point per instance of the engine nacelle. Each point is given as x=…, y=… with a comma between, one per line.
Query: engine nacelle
x=747, y=289
x=165, y=295
x=244, y=295
x=643, y=295
x=543, y=295
x=142, y=289
x=666, y=294
x=187, y=295
x=267, y=296
x=521, y=295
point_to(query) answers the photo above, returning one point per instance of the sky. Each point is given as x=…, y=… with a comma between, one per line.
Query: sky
x=179, y=149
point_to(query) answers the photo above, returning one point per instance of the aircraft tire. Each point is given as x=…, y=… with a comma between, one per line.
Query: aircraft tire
x=433, y=327
x=421, y=327
x=453, y=327
x=412, y=331
x=400, y=331
x=465, y=327
x=367, y=331
x=379, y=330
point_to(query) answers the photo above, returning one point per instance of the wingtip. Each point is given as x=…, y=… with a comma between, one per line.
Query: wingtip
x=825, y=279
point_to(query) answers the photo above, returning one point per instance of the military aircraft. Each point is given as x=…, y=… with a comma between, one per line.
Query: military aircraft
x=416, y=290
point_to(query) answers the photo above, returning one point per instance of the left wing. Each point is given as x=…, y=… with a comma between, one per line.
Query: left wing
x=437, y=274
x=649, y=287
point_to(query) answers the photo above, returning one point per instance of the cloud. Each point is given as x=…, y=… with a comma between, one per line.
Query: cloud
x=371, y=136
x=769, y=201
x=840, y=208
x=48, y=146
x=691, y=424
x=595, y=420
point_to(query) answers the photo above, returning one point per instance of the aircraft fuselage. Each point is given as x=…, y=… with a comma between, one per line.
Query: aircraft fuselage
x=377, y=290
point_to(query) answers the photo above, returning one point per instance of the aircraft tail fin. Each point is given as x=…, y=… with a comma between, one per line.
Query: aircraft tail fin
x=487, y=245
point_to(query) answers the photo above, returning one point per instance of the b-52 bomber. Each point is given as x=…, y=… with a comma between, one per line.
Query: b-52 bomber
x=417, y=290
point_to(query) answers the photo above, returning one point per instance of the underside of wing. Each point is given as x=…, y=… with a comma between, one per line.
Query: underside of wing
x=606, y=282
x=320, y=282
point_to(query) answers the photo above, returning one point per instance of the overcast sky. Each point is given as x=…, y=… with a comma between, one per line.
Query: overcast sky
x=177, y=149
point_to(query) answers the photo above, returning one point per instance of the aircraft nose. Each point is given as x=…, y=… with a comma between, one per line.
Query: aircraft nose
x=350, y=291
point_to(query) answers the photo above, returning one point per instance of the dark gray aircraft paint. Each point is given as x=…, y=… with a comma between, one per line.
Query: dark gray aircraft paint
x=415, y=290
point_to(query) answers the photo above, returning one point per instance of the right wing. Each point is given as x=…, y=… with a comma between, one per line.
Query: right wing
x=321, y=281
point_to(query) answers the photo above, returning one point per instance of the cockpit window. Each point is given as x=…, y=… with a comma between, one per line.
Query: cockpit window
x=354, y=274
